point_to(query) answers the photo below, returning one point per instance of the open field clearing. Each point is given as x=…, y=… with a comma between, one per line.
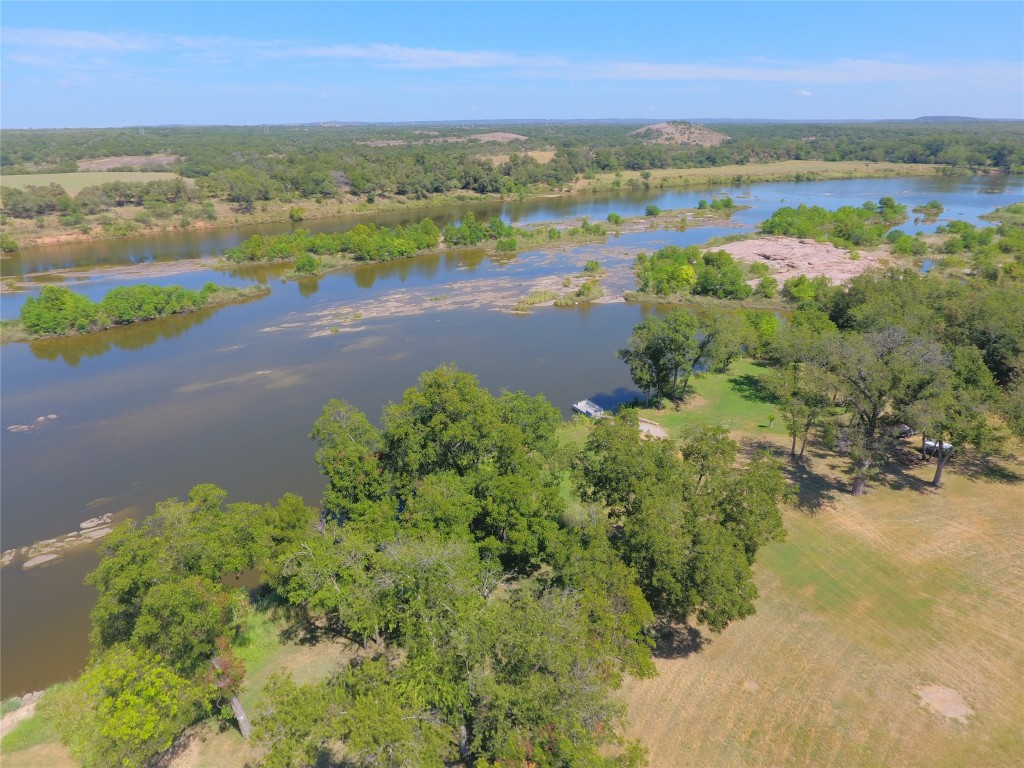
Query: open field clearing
x=74, y=183
x=872, y=605
x=122, y=161
x=785, y=170
x=540, y=155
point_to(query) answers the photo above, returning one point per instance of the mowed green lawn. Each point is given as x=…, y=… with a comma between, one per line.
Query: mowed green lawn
x=869, y=600
x=74, y=183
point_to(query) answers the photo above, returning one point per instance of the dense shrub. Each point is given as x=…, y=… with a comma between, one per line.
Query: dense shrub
x=57, y=310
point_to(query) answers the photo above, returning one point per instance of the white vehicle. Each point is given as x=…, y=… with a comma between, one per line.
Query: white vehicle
x=931, y=448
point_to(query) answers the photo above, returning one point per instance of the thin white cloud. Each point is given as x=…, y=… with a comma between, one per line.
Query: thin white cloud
x=62, y=48
x=803, y=92
x=62, y=41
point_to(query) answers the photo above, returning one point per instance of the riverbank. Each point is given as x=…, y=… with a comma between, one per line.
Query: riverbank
x=28, y=234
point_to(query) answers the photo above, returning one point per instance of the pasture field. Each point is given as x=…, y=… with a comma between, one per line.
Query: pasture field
x=74, y=183
x=869, y=602
x=785, y=170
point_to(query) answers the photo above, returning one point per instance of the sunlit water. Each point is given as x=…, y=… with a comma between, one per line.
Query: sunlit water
x=146, y=412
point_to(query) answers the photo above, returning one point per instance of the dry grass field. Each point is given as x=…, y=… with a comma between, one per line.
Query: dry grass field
x=756, y=172
x=868, y=602
x=74, y=183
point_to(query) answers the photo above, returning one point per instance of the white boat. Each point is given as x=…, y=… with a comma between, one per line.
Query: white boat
x=589, y=408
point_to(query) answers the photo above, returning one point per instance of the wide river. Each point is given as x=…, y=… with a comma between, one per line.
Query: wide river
x=143, y=413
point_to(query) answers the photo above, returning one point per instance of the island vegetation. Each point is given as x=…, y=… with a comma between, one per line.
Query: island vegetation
x=59, y=311
x=117, y=182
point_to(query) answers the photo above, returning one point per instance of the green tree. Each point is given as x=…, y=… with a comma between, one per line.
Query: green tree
x=348, y=446
x=877, y=375
x=57, y=311
x=958, y=413
x=125, y=708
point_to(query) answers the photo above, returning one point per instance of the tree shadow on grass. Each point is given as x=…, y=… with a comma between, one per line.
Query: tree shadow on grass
x=305, y=630
x=984, y=468
x=677, y=641
x=813, y=490
x=180, y=746
x=894, y=472
x=750, y=387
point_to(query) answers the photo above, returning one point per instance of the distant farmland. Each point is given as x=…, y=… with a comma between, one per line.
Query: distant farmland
x=74, y=183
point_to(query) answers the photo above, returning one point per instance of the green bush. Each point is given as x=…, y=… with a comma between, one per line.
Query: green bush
x=767, y=286
x=506, y=245
x=614, y=219
x=652, y=210
x=7, y=243
x=306, y=264
x=592, y=267
x=57, y=310
x=759, y=269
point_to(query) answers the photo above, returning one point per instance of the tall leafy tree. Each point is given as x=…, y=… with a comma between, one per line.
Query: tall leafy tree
x=876, y=375
x=125, y=708
x=958, y=414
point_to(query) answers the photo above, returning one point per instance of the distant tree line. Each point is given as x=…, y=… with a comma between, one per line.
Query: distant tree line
x=251, y=164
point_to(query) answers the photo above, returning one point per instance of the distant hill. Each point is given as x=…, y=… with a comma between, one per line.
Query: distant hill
x=679, y=132
x=946, y=119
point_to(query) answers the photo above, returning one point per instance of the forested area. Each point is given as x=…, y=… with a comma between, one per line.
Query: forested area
x=863, y=365
x=493, y=608
x=246, y=165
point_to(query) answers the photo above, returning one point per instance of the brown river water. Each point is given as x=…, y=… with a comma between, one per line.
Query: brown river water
x=228, y=396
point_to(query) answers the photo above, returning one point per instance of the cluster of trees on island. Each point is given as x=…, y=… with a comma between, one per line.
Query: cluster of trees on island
x=994, y=253
x=494, y=614
x=59, y=311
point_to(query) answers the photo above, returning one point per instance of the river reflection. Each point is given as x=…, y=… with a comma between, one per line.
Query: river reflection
x=228, y=396
x=963, y=197
x=72, y=349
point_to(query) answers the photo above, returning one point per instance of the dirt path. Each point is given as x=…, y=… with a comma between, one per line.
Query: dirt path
x=25, y=711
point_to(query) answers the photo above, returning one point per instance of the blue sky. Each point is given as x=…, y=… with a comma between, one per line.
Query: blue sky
x=85, y=64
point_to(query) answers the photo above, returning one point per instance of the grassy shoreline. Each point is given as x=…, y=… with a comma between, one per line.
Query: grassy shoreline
x=28, y=236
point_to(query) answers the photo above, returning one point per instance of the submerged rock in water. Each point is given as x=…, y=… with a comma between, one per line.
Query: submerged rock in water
x=45, y=551
x=38, y=560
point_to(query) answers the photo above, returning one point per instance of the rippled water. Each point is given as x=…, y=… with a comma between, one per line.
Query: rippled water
x=146, y=412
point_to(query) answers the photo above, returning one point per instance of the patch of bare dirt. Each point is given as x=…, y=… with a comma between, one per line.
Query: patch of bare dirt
x=542, y=156
x=25, y=711
x=788, y=257
x=127, y=161
x=501, y=137
x=41, y=756
x=946, y=702
x=679, y=132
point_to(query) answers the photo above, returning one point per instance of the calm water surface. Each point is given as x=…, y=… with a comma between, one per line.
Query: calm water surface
x=148, y=411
